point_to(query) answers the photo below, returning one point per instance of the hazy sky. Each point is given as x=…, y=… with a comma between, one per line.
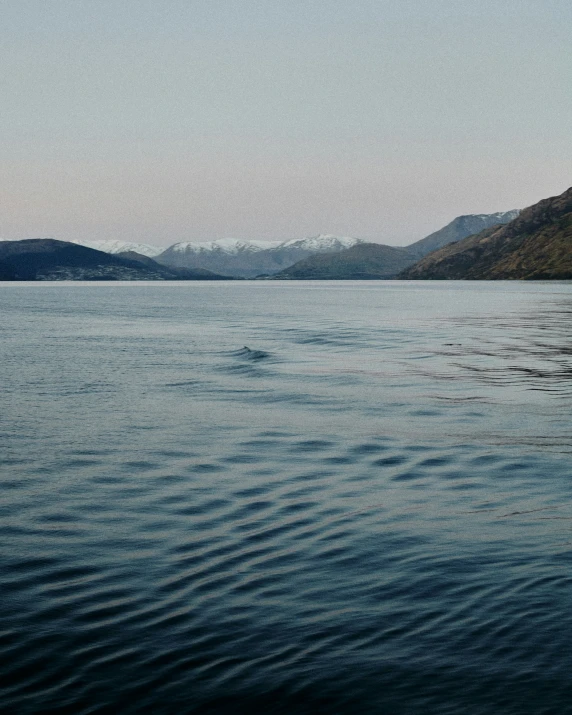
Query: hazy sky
x=168, y=120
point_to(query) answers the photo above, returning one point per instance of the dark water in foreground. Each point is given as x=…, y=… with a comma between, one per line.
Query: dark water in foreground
x=286, y=498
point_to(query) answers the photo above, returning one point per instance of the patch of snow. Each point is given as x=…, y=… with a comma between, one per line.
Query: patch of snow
x=501, y=216
x=231, y=246
x=234, y=246
x=323, y=242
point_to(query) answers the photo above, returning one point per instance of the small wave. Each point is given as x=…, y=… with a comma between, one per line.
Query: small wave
x=247, y=353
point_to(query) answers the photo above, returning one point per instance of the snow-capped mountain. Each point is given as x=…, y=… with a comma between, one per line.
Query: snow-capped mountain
x=324, y=243
x=230, y=246
x=114, y=246
x=246, y=259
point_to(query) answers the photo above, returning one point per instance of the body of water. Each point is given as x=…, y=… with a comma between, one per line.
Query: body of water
x=286, y=498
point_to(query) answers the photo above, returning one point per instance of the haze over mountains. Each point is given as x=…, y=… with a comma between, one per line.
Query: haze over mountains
x=535, y=243
x=250, y=259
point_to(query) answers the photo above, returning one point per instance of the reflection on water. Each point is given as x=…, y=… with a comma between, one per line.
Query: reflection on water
x=287, y=498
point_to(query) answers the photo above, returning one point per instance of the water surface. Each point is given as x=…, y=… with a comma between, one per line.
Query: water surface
x=286, y=497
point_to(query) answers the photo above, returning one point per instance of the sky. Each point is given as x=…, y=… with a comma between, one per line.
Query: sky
x=192, y=120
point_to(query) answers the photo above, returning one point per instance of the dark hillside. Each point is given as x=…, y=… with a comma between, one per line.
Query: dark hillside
x=536, y=245
x=47, y=259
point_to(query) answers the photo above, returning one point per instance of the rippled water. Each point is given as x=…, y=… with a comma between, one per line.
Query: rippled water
x=286, y=498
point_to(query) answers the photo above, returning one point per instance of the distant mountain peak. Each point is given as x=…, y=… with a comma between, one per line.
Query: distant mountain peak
x=459, y=228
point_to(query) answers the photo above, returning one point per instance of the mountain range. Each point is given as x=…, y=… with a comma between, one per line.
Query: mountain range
x=250, y=259
x=230, y=256
x=535, y=243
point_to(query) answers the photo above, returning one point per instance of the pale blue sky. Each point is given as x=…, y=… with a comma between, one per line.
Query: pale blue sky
x=198, y=119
